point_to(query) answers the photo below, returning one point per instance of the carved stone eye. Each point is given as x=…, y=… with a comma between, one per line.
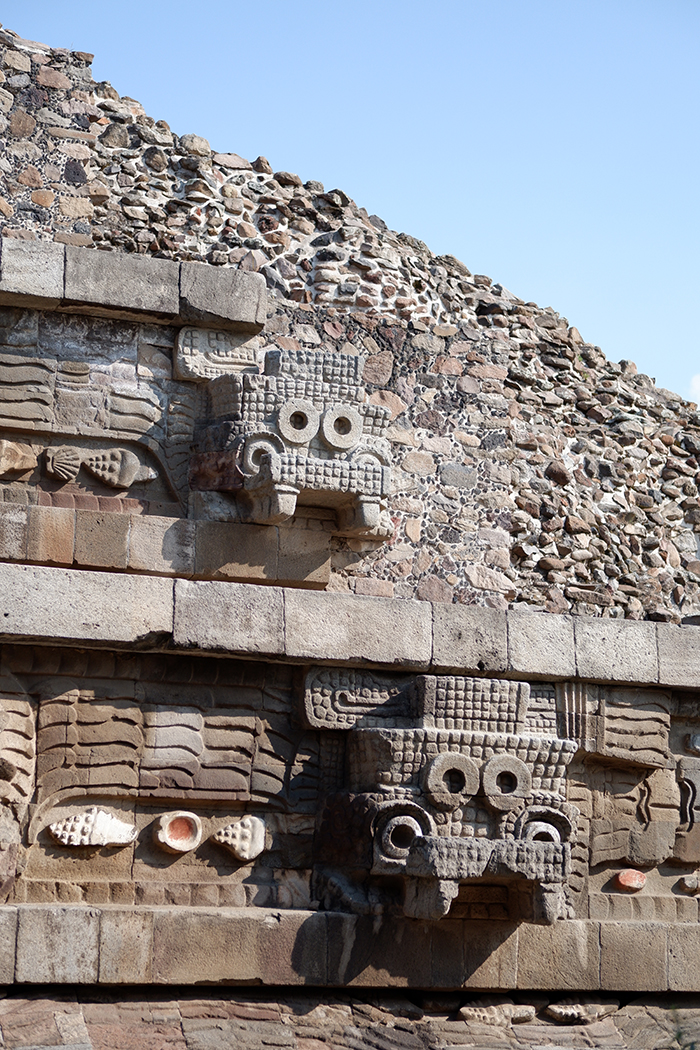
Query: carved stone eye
x=506, y=782
x=399, y=835
x=450, y=779
x=298, y=421
x=341, y=427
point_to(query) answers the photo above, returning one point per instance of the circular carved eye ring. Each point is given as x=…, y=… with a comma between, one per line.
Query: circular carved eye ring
x=450, y=779
x=398, y=835
x=298, y=421
x=255, y=448
x=506, y=782
x=341, y=427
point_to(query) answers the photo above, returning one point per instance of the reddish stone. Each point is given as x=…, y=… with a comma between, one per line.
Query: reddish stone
x=630, y=880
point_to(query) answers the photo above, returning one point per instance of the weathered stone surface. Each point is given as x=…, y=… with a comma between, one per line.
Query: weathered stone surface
x=571, y=950
x=541, y=645
x=357, y=630
x=57, y=945
x=471, y=639
x=679, y=655
x=125, y=946
x=8, y=937
x=31, y=269
x=129, y=283
x=223, y=297
x=229, y=616
x=616, y=649
x=65, y=604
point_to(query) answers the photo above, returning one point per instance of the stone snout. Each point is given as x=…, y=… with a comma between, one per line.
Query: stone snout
x=301, y=434
x=434, y=867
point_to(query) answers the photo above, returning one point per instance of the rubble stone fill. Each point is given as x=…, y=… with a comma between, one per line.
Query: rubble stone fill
x=529, y=468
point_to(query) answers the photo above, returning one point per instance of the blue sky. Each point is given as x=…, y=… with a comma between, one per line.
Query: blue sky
x=551, y=144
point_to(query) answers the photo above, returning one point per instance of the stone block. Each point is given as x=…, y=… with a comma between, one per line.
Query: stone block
x=57, y=945
x=679, y=655
x=8, y=939
x=32, y=270
x=72, y=605
x=239, y=944
x=393, y=954
x=633, y=956
x=304, y=556
x=13, y=531
x=230, y=551
x=684, y=957
x=51, y=535
x=474, y=954
x=616, y=650
x=541, y=644
x=223, y=298
x=234, y=617
x=121, y=284
x=161, y=545
x=101, y=540
x=126, y=940
x=357, y=630
x=566, y=954
x=469, y=639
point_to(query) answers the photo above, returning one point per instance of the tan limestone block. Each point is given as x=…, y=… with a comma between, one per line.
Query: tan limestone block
x=633, y=956
x=304, y=557
x=570, y=949
x=161, y=545
x=126, y=943
x=13, y=532
x=230, y=551
x=101, y=540
x=51, y=535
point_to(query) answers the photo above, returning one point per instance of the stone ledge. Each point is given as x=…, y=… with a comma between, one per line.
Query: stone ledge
x=75, y=944
x=46, y=604
x=164, y=546
x=50, y=276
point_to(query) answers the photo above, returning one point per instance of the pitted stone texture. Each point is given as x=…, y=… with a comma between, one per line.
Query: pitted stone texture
x=229, y=616
x=357, y=630
x=57, y=945
x=474, y=639
x=127, y=283
x=31, y=269
x=623, y=649
x=541, y=645
x=70, y=605
x=227, y=298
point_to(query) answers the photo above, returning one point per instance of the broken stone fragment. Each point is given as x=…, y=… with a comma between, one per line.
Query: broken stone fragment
x=497, y=1010
x=178, y=832
x=93, y=827
x=582, y=1011
x=245, y=838
x=15, y=456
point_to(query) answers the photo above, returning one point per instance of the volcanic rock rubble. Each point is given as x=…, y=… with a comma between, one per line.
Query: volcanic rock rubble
x=528, y=468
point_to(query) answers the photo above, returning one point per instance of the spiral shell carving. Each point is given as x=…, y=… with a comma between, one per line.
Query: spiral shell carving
x=117, y=467
x=92, y=827
x=63, y=462
x=245, y=838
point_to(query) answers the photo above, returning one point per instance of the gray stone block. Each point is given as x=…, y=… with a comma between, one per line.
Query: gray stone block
x=679, y=655
x=125, y=285
x=467, y=638
x=616, y=650
x=57, y=945
x=634, y=956
x=126, y=942
x=8, y=940
x=32, y=270
x=234, y=617
x=55, y=604
x=223, y=297
x=684, y=957
x=239, y=944
x=321, y=626
x=541, y=644
x=565, y=955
